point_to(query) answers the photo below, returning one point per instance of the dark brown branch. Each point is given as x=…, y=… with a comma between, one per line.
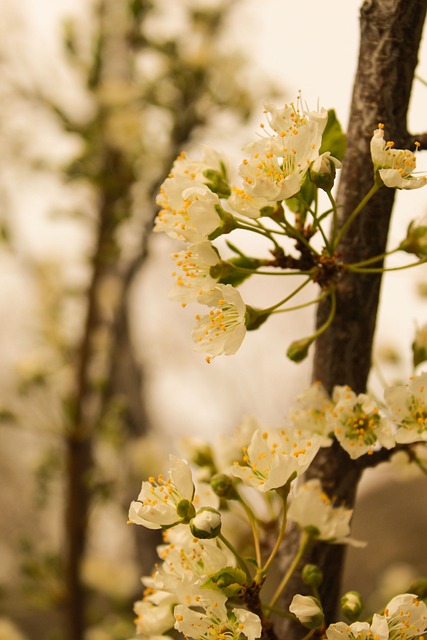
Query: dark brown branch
x=418, y=137
x=390, y=37
x=90, y=394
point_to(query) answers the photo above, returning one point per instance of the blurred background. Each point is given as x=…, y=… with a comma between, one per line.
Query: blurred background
x=99, y=380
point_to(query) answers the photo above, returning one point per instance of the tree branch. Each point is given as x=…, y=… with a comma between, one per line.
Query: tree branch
x=390, y=37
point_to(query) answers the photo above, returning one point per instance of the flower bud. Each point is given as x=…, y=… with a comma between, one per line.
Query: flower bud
x=185, y=509
x=308, y=610
x=206, y=523
x=298, y=350
x=323, y=170
x=312, y=575
x=416, y=239
x=223, y=486
x=352, y=604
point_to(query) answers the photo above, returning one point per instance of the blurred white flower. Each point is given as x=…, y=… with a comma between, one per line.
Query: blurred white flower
x=116, y=578
x=408, y=407
x=312, y=509
x=357, y=423
x=309, y=412
x=359, y=630
x=9, y=630
x=212, y=620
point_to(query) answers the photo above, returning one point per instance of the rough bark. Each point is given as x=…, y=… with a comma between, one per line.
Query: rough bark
x=389, y=42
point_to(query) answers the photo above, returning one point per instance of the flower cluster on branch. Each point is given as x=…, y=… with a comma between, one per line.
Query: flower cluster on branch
x=216, y=509
x=274, y=195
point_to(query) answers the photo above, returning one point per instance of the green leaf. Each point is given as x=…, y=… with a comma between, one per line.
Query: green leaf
x=234, y=276
x=231, y=581
x=333, y=139
x=302, y=201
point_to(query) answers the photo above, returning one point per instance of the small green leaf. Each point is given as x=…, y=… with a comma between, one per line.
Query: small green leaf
x=231, y=581
x=333, y=139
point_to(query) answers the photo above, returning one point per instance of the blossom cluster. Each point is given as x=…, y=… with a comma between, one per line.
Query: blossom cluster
x=290, y=160
x=204, y=586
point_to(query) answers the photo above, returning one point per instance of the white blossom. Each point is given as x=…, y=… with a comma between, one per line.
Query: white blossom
x=206, y=523
x=222, y=330
x=157, y=501
x=212, y=621
x=408, y=406
x=406, y=617
x=194, y=279
x=310, y=410
x=324, y=162
x=188, y=210
x=195, y=170
x=311, y=508
x=395, y=166
x=274, y=456
x=154, y=619
x=278, y=163
x=359, y=630
x=308, y=610
x=246, y=204
x=357, y=423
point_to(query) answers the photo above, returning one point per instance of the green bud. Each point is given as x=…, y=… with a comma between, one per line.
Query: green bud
x=298, y=350
x=352, y=604
x=223, y=486
x=308, y=610
x=185, y=509
x=323, y=170
x=206, y=523
x=416, y=240
x=312, y=575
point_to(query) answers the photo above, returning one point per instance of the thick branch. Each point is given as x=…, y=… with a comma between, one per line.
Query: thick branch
x=390, y=37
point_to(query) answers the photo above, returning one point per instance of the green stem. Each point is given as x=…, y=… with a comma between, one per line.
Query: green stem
x=238, y=557
x=305, y=304
x=273, y=273
x=294, y=293
x=354, y=214
x=294, y=233
x=381, y=256
x=284, y=495
x=350, y=267
x=309, y=634
x=279, y=612
x=255, y=534
x=331, y=316
x=304, y=544
x=334, y=217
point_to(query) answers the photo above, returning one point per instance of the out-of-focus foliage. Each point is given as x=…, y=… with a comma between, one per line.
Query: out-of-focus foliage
x=90, y=124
